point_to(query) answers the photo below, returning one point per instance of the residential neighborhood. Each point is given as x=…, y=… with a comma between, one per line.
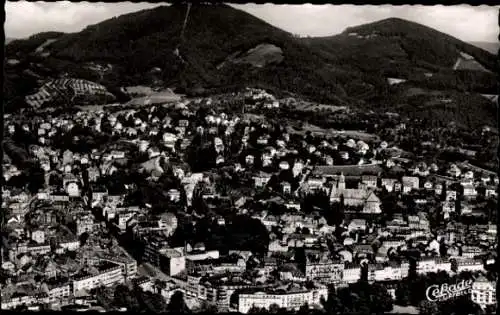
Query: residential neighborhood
x=179, y=198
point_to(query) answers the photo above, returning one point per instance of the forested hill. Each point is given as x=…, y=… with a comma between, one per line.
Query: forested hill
x=491, y=47
x=221, y=46
x=399, y=48
x=216, y=38
x=428, y=72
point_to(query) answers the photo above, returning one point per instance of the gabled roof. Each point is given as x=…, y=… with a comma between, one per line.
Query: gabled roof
x=372, y=197
x=358, y=221
x=482, y=279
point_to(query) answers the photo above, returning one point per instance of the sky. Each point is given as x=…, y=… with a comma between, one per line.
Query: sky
x=468, y=23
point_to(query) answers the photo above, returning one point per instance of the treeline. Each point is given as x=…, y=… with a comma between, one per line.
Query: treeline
x=459, y=80
x=32, y=176
x=19, y=155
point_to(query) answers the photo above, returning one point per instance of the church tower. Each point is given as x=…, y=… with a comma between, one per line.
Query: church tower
x=341, y=182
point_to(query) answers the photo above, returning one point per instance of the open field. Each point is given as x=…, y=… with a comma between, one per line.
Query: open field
x=314, y=107
x=315, y=130
x=155, y=98
x=261, y=55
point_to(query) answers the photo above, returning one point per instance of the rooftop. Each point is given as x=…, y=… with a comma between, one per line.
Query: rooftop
x=103, y=266
x=347, y=170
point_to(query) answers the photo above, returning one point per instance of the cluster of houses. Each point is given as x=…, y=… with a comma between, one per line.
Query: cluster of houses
x=56, y=244
x=44, y=258
x=47, y=263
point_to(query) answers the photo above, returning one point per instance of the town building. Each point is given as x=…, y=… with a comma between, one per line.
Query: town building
x=390, y=272
x=483, y=292
x=355, y=197
x=427, y=265
x=472, y=265
x=410, y=183
x=107, y=274
x=351, y=273
x=322, y=269
x=290, y=298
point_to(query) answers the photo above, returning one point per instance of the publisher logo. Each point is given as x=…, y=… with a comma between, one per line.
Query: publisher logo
x=445, y=291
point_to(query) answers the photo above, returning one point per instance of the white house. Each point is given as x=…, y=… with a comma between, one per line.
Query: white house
x=410, y=183
x=428, y=265
x=377, y=272
x=472, y=265
x=38, y=236
x=291, y=298
x=369, y=181
x=72, y=189
x=483, y=292
x=108, y=274
x=388, y=184
x=351, y=273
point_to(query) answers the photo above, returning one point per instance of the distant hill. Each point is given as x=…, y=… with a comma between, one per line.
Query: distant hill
x=20, y=47
x=8, y=40
x=403, y=51
x=491, y=47
x=222, y=46
x=399, y=48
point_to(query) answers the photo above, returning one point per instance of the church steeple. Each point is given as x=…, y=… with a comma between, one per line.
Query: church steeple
x=341, y=182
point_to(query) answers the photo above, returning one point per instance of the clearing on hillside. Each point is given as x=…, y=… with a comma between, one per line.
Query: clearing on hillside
x=259, y=56
x=467, y=62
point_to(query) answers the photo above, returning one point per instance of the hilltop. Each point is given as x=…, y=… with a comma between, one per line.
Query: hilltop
x=221, y=46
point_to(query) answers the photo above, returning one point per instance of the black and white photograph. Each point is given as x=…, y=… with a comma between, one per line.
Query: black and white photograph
x=183, y=158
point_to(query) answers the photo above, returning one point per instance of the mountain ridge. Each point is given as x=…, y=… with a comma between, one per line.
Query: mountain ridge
x=342, y=69
x=208, y=41
x=408, y=33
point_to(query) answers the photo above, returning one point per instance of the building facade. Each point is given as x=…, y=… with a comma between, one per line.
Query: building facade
x=289, y=300
x=483, y=292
